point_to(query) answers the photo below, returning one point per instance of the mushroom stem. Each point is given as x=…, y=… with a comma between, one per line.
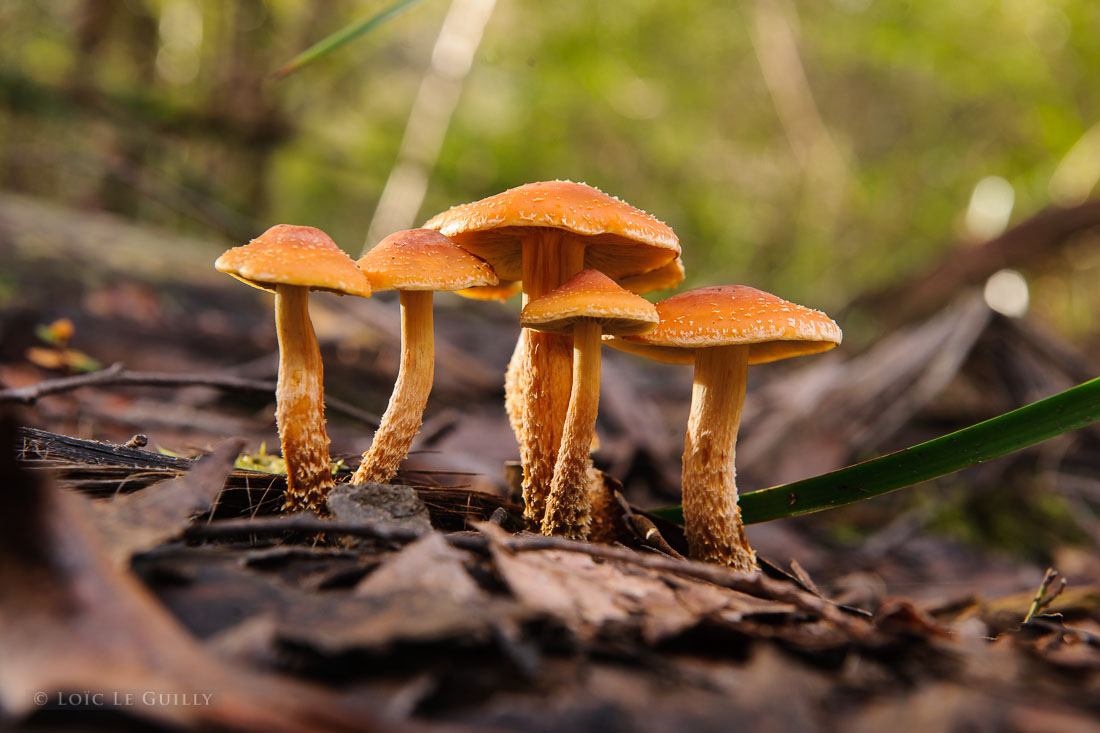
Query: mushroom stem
x=401, y=421
x=568, y=506
x=513, y=393
x=549, y=259
x=712, y=519
x=300, y=406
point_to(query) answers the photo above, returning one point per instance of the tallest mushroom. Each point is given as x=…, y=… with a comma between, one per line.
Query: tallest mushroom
x=543, y=234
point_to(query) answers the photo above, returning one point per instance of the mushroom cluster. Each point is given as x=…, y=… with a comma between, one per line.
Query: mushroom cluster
x=543, y=234
x=581, y=259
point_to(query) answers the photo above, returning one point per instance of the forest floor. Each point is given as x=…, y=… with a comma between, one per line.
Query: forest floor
x=160, y=567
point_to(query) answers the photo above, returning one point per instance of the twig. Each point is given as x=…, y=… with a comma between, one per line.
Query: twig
x=117, y=375
x=1067, y=631
x=644, y=528
x=1042, y=600
x=752, y=583
x=29, y=395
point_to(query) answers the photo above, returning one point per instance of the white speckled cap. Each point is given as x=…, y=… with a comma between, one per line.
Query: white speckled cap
x=590, y=295
x=724, y=315
x=423, y=259
x=293, y=255
x=621, y=239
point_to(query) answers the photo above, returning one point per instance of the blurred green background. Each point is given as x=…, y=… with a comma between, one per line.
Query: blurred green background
x=819, y=150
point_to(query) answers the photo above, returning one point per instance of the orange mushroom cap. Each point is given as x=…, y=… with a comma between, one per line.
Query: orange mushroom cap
x=294, y=255
x=593, y=296
x=623, y=240
x=500, y=292
x=724, y=315
x=664, y=277
x=423, y=259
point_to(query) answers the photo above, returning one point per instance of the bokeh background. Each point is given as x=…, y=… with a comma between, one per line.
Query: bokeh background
x=834, y=152
x=820, y=150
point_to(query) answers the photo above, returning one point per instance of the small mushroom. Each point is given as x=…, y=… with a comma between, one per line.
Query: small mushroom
x=290, y=261
x=543, y=234
x=415, y=263
x=722, y=330
x=587, y=305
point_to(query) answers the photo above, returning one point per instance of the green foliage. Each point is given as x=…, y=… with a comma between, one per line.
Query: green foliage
x=663, y=104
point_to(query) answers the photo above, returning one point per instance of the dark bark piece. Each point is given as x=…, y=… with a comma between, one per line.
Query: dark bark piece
x=41, y=444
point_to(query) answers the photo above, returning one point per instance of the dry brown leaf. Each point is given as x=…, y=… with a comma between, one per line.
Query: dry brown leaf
x=591, y=596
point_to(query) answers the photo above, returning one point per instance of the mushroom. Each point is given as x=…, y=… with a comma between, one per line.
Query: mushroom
x=543, y=234
x=722, y=330
x=586, y=305
x=415, y=263
x=290, y=261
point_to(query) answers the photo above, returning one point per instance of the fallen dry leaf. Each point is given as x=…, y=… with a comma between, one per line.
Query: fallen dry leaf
x=592, y=596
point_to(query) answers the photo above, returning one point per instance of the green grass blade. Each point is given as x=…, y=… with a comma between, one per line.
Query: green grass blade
x=344, y=35
x=998, y=436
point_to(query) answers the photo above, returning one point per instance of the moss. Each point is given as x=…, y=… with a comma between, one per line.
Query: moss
x=1018, y=516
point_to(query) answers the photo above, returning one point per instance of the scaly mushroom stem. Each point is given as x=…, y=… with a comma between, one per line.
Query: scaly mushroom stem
x=401, y=422
x=568, y=506
x=300, y=406
x=549, y=258
x=712, y=519
x=513, y=393
x=605, y=514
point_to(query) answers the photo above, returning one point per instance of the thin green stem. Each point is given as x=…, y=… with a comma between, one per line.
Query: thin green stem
x=1066, y=411
x=346, y=34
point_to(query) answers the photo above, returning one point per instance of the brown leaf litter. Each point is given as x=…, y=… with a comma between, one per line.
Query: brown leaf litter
x=292, y=627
